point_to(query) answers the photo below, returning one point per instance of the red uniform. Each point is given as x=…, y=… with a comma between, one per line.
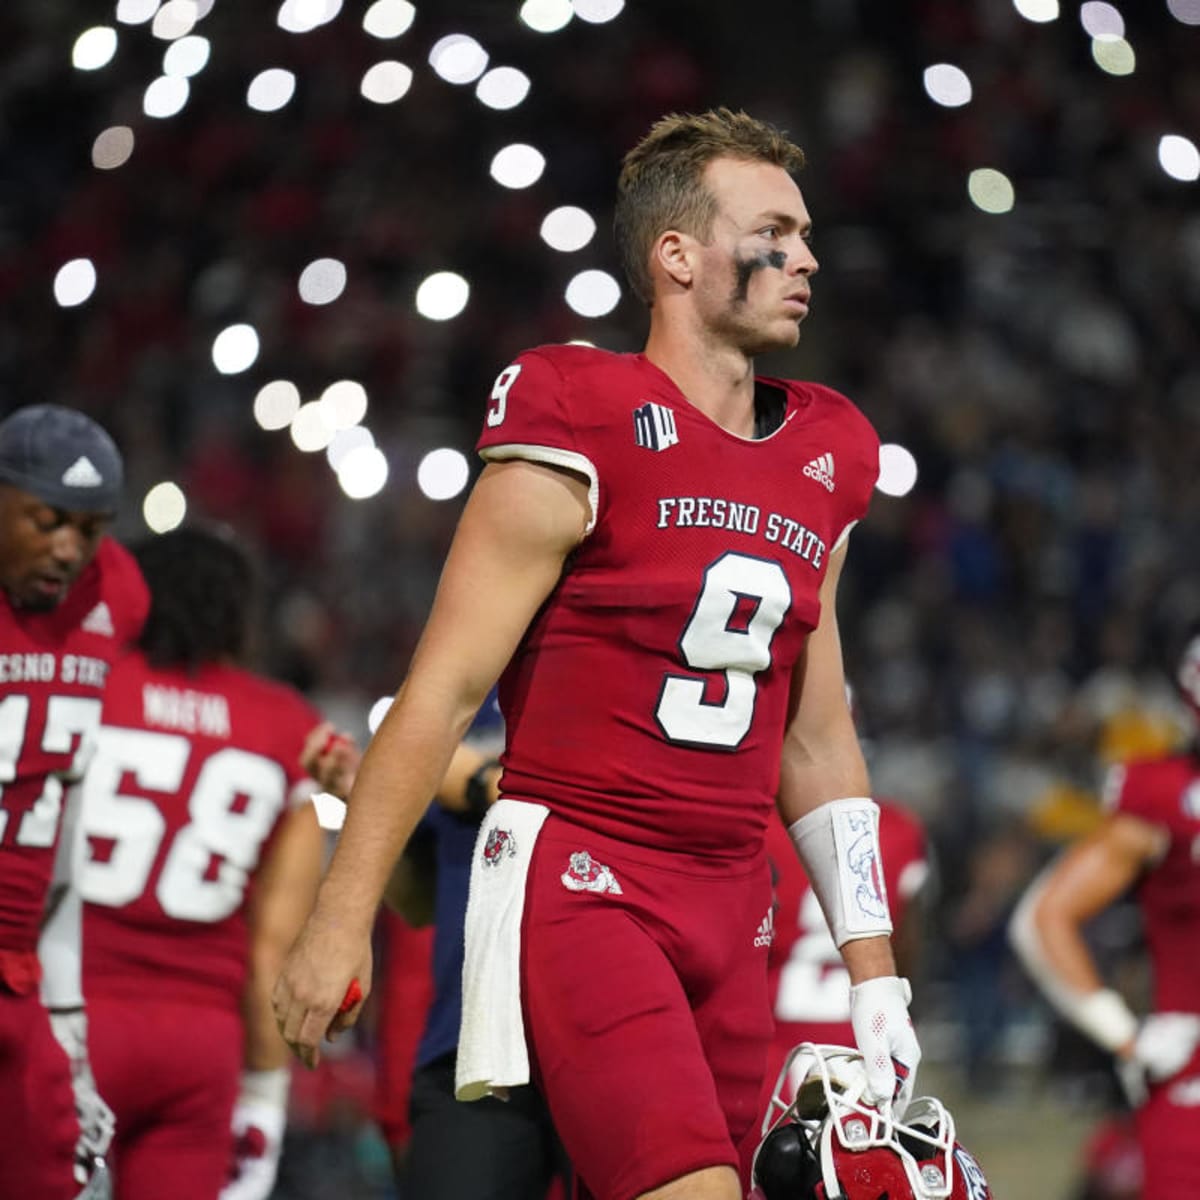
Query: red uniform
x=1166, y=793
x=646, y=708
x=192, y=777
x=53, y=669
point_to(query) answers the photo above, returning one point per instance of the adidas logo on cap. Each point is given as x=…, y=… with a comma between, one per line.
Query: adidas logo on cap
x=81, y=473
x=821, y=469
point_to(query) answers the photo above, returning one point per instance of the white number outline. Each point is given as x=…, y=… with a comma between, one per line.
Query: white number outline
x=682, y=713
x=67, y=717
x=814, y=985
x=136, y=826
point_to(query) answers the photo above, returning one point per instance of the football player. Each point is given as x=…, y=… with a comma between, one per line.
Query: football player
x=650, y=557
x=1147, y=842
x=70, y=598
x=202, y=856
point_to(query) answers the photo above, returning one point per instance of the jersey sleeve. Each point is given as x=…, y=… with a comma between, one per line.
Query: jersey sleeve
x=1133, y=789
x=528, y=417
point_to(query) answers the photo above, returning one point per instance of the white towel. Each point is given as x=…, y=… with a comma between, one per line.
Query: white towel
x=492, y=1055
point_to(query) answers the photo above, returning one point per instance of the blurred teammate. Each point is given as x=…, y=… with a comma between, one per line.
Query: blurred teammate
x=1148, y=842
x=651, y=557
x=202, y=857
x=70, y=598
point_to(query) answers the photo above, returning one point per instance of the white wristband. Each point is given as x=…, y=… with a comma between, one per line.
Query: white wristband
x=266, y=1087
x=1105, y=1017
x=838, y=843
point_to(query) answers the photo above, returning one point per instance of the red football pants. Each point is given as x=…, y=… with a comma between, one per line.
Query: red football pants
x=170, y=1073
x=38, y=1127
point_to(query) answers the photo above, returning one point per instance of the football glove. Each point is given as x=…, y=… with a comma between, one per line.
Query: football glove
x=96, y=1120
x=883, y=1032
x=259, y=1119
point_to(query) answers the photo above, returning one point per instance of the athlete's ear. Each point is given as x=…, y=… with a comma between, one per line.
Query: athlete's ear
x=671, y=258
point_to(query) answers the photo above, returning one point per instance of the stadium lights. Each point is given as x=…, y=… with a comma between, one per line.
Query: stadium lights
x=458, y=58
x=271, y=89
x=442, y=296
x=112, y=147
x=276, y=404
x=136, y=12
x=502, y=88
x=1114, y=55
x=165, y=96
x=1179, y=157
x=388, y=18
x=176, y=19
x=322, y=281
x=302, y=16
x=897, y=470
x=386, y=82
x=346, y=440
x=164, y=507
x=235, y=349
x=187, y=56
x=947, y=85
x=1039, y=11
x=310, y=431
x=597, y=12
x=517, y=166
x=568, y=228
x=363, y=472
x=1101, y=20
x=343, y=404
x=442, y=474
x=546, y=16
x=991, y=191
x=74, y=282
x=94, y=48
x=593, y=293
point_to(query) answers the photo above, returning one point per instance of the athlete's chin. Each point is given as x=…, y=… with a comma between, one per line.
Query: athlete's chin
x=784, y=337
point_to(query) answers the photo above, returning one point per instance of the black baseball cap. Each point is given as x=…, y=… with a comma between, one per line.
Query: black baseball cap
x=62, y=457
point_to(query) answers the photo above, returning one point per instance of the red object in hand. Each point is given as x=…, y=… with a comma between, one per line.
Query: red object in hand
x=351, y=998
x=331, y=740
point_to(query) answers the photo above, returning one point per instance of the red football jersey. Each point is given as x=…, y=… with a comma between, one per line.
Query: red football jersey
x=809, y=982
x=53, y=669
x=192, y=775
x=1166, y=792
x=648, y=698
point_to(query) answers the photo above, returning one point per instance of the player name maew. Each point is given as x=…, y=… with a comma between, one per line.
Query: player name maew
x=716, y=512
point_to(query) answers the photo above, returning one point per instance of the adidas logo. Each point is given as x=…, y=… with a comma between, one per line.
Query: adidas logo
x=821, y=469
x=99, y=620
x=766, y=929
x=81, y=473
x=654, y=426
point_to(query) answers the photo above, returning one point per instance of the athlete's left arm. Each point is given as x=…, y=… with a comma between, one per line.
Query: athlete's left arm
x=284, y=889
x=825, y=800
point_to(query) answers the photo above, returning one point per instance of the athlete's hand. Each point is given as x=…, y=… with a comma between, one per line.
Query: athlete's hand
x=96, y=1120
x=316, y=977
x=884, y=1034
x=259, y=1119
x=331, y=757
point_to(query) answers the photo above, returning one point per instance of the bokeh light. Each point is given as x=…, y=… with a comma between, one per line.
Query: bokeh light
x=1186, y=12
x=568, y=228
x=1114, y=56
x=388, y=18
x=112, y=147
x=897, y=470
x=188, y=56
x=235, y=349
x=322, y=281
x=309, y=429
x=271, y=89
x=1101, y=20
x=593, y=293
x=502, y=88
x=546, y=16
x=164, y=507
x=386, y=82
x=94, y=48
x=363, y=472
x=1179, y=157
x=346, y=440
x=75, y=282
x=1039, y=11
x=276, y=404
x=442, y=296
x=518, y=166
x=343, y=404
x=378, y=711
x=302, y=16
x=442, y=474
x=597, y=12
x=165, y=96
x=990, y=190
x=947, y=85
x=458, y=58
x=136, y=12
x=175, y=19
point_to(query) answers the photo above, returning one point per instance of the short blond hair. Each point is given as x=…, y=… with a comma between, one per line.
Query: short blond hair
x=661, y=182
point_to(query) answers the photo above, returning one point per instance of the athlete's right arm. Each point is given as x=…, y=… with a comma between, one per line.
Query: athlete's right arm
x=519, y=524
